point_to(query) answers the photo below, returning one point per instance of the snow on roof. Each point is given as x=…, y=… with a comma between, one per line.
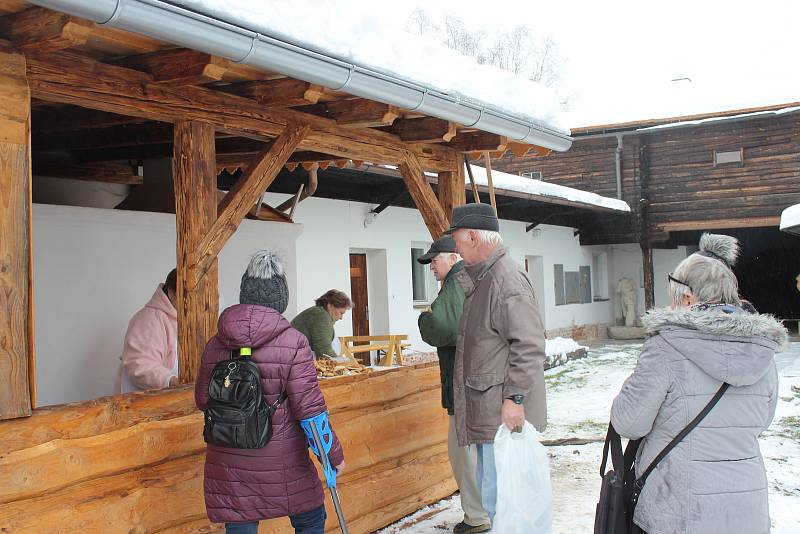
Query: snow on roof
x=790, y=219
x=518, y=186
x=740, y=116
x=370, y=35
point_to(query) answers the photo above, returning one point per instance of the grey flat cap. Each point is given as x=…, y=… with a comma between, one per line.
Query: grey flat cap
x=476, y=216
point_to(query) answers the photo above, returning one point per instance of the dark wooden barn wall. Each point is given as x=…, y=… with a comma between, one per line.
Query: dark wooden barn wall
x=685, y=189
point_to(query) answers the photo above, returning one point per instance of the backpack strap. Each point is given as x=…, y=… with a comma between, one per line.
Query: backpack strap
x=677, y=439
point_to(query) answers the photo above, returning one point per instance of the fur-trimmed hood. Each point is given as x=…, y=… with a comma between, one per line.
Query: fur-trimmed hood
x=735, y=347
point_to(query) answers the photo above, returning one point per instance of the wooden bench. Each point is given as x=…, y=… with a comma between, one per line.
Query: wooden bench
x=390, y=344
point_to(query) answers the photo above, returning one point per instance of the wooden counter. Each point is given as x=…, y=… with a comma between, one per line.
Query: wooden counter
x=134, y=463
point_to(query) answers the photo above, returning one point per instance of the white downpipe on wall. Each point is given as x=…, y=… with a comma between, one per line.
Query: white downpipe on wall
x=164, y=21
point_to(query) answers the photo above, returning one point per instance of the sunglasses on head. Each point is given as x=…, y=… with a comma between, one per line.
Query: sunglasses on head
x=681, y=282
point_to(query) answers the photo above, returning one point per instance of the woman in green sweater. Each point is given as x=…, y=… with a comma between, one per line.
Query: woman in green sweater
x=316, y=322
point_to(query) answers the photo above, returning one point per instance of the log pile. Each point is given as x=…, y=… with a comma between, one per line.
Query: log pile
x=135, y=463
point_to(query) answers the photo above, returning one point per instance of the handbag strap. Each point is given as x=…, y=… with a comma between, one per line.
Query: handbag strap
x=614, y=443
x=677, y=439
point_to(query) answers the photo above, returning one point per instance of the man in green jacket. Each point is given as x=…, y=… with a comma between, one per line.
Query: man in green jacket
x=439, y=327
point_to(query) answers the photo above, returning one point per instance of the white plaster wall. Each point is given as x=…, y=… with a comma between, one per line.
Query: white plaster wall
x=94, y=268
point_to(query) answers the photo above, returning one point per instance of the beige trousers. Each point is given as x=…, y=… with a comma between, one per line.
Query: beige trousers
x=464, y=461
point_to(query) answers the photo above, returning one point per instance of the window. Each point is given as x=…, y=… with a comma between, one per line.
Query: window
x=573, y=287
x=600, y=276
x=533, y=175
x=423, y=284
x=729, y=157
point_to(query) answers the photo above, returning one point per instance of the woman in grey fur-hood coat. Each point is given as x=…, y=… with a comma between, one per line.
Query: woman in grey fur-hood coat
x=714, y=480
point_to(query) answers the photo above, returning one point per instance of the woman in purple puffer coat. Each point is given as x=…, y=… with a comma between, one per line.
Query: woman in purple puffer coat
x=243, y=486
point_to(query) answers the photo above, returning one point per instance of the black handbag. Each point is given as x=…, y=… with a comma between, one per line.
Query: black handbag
x=237, y=416
x=620, y=489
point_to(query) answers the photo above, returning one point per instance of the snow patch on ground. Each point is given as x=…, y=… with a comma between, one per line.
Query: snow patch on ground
x=579, y=396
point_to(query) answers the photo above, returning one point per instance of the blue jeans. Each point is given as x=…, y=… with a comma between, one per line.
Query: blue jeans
x=311, y=522
x=487, y=478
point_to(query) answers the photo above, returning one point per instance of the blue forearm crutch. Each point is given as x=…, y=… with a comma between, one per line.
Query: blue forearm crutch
x=320, y=439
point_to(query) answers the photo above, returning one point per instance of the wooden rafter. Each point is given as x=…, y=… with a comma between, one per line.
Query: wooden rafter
x=243, y=195
x=284, y=92
x=82, y=81
x=117, y=173
x=429, y=207
x=181, y=66
x=478, y=141
x=426, y=130
x=12, y=6
x=101, y=138
x=42, y=31
x=358, y=112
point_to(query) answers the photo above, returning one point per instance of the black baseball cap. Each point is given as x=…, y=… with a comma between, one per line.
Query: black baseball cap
x=477, y=216
x=443, y=245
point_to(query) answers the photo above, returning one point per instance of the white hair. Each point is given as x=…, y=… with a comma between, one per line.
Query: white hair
x=488, y=237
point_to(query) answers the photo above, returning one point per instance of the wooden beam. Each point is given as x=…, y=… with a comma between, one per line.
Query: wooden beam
x=178, y=66
x=39, y=30
x=113, y=136
x=71, y=118
x=649, y=279
x=284, y=92
x=17, y=363
x=242, y=196
x=116, y=173
x=12, y=6
x=43, y=31
x=195, y=177
x=721, y=224
x=424, y=198
x=360, y=112
x=82, y=81
x=478, y=142
x=426, y=130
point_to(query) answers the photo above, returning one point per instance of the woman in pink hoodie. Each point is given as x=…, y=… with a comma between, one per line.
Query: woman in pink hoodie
x=150, y=354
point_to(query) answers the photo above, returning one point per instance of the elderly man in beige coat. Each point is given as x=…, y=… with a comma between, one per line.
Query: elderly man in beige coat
x=499, y=367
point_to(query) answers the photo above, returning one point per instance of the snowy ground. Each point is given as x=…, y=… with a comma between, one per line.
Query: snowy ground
x=579, y=398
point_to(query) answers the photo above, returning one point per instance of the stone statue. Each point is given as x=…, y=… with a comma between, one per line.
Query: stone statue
x=627, y=292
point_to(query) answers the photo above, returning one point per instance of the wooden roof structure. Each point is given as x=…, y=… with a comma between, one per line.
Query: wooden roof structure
x=85, y=101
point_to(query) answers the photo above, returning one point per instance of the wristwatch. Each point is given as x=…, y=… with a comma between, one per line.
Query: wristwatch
x=517, y=399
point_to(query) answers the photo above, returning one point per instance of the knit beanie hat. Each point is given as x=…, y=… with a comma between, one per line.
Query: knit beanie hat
x=264, y=282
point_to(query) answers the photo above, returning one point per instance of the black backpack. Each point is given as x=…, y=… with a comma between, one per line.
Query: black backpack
x=237, y=416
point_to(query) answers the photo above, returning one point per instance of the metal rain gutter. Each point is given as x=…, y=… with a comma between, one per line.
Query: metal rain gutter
x=166, y=22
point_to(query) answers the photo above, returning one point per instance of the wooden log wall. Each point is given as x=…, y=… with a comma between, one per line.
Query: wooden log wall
x=686, y=189
x=134, y=463
x=16, y=317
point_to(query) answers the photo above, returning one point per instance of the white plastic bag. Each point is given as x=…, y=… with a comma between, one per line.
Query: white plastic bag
x=524, y=497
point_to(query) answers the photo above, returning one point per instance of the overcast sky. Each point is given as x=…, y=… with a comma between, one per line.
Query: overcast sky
x=621, y=55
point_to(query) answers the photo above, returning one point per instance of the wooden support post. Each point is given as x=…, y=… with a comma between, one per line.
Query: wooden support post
x=424, y=198
x=17, y=362
x=649, y=279
x=451, y=188
x=489, y=179
x=195, y=176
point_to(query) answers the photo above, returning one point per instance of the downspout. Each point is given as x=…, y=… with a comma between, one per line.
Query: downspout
x=618, y=164
x=164, y=21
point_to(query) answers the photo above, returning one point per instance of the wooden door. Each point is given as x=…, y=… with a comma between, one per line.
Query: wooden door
x=359, y=295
